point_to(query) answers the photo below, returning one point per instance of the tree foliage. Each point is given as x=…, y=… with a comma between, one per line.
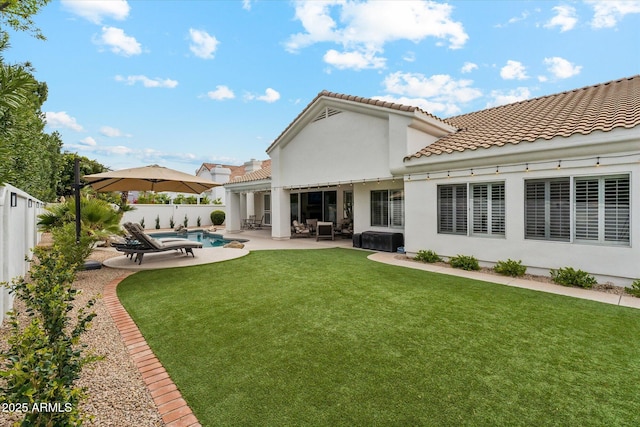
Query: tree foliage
x=17, y=15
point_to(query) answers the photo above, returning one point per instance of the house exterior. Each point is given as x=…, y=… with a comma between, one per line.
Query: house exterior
x=552, y=181
x=225, y=173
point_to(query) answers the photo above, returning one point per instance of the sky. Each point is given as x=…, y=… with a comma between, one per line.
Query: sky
x=181, y=83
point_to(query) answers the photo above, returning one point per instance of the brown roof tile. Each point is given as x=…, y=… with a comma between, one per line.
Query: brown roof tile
x=260, y=174
x=602, y=107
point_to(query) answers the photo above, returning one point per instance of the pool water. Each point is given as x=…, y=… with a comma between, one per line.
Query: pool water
x=206, y=237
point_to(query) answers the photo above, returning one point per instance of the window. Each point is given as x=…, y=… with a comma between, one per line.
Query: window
x=267, y=209
x=602, y=209
x=488, y=209
x=548, y=209
x=452, y=209
x=387, y=208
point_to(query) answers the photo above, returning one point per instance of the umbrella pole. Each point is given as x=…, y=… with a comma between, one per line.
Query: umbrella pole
x=76, y=191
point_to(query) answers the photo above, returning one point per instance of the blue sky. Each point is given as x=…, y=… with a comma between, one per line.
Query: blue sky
x=179, y=83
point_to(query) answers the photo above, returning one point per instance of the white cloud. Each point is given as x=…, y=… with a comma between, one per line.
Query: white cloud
x=147, y=82
x=514, y=95
x=514, y=70
x=269, y=96
x=435, y=94
x=118, y=42
x=409, y=56
x=89, y=141
x=365, y=27
x=608, y=13
x=203, y=45
x=112, y=132
x=565, y=18
x=62, y=120
x=353, y=60
x=221, y=93
x=561, y=68
x=96, y=10
x=468, y=67
x=246, y=4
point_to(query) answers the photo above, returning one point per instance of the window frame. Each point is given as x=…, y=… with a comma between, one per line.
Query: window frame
x=490, y=209
x=459, y=216
x=391, y=209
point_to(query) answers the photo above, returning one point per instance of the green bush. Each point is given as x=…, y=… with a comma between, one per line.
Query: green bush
x=427, y=256
x=142, y=223
x=510, y=268
x=569, y=277
x=635, y=288
x=75, y=252
x=217, y=217
x=185, y=221
x=171, y=222
x=44, y=356
x=198, y=222
x=158, y=222
x=464, y=262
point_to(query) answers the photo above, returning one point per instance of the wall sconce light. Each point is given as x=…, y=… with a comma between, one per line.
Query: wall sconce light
x=14, y=200
x=30, y=203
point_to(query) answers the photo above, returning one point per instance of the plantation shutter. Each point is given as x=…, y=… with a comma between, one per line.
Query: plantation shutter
x=586, y=208
x=548, y=209
x=560, y=210
x=379, y=208
x=397, y=208
x=535, y=210
x=616, y=209
x=497, y=209
x=452, y=209
x=480, y=204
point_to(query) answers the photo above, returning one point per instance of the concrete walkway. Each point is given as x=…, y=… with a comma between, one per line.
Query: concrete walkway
x=621, y=300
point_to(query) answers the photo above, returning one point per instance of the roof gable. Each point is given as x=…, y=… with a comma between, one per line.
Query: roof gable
x=602, y=107
x=316, y=110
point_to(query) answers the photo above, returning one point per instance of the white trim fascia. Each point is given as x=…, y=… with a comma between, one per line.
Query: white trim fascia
x=253, y=186
x=619, y=140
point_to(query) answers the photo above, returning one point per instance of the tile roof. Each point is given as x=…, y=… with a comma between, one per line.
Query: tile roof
x=257, y=175
x=602, y=107
x=236, y=171
x=358, y=99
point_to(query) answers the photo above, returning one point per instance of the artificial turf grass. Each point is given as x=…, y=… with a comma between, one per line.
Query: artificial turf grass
x=326, y=337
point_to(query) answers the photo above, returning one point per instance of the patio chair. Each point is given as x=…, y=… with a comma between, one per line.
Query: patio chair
x=325, y=231
x=300, y=230
x=312, y=224
x=148, y=244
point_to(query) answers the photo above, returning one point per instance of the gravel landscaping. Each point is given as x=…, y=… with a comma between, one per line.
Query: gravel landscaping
x=117, y=394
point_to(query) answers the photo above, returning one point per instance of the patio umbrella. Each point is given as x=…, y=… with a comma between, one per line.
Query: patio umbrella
x=149, y=178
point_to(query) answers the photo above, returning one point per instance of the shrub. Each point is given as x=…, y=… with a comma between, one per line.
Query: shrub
x=75, y=252
x=198, y=221
x=171, y=222
x=44, y=357
x=217, y=217
x=158, y=222
x=142, y=223
x=185, y=221
x=569, y=277
x=464, y=262
x=635, y=288
x=427, y=256
x=510, y=268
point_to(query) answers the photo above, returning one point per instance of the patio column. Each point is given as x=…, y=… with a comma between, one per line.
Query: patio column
x=233, y=212
x=280, y=214
x=251, y=204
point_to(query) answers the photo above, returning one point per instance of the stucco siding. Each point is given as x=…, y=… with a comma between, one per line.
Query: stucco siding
x=346, y=146
x=616, y=262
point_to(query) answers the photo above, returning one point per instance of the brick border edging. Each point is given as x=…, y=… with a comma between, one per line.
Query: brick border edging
x=173, y=409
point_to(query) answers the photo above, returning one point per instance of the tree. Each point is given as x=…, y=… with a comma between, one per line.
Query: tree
x=17, y=15
x=67, y=172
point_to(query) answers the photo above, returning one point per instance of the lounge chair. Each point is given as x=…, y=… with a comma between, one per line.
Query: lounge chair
x=147, y=244
x=300, y=230
x=325, y=230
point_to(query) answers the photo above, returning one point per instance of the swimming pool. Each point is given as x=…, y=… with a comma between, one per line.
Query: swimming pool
x=204, y=236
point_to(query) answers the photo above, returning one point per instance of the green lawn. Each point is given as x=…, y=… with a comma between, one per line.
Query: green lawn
x=329, y=338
